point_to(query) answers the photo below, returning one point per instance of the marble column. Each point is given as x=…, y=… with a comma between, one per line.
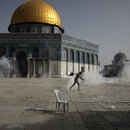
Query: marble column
x=9, y=68
x=43, y=61
x=7, y=51
x=49, y=68
x=34, y=69
x=14, y=60
x=41, y=68
x=28, y=76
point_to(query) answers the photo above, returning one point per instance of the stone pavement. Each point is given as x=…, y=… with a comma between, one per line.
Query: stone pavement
x=96, y=107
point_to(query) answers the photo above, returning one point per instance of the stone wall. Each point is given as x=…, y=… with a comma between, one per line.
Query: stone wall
x=67, y=68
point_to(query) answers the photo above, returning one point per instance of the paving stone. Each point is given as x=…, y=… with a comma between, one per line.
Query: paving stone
x=89, y=109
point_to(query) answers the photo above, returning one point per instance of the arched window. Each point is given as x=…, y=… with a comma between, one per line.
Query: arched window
x=54, y=53
x=82, y=58
x=65, y=54
x=72, y=59
x=92, y=56
x=88, y=58
x=96, y=59
x=72, y=55
x=78, y=57
x=35, y=52
x=12, y=50
x=45, y=52
x=2, y=51
x=65, y=57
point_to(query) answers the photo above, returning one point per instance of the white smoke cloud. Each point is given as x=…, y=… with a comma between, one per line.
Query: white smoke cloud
x=89, y=78
x=126, y=74
x=5, y=66
x=69, y=83
x=94, y=77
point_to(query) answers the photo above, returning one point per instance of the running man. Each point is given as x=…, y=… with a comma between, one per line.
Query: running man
x=78, y=75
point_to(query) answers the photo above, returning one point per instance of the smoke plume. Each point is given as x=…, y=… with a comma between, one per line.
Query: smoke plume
x=125, y=76
x=94, y=77
x=5, y=66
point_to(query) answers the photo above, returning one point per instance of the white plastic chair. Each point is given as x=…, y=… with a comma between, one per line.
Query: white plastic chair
x=60, y=101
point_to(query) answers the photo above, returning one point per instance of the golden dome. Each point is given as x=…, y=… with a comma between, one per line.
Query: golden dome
x=36, y=11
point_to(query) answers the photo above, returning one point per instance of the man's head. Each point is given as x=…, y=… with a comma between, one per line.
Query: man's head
x=80, y=72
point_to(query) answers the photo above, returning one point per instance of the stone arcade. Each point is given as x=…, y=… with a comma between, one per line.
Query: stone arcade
x=37, y=45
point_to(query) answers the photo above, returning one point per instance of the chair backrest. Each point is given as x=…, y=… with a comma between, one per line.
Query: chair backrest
x=58, y=95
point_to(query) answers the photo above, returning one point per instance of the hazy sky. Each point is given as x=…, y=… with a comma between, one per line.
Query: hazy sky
x=104, y=22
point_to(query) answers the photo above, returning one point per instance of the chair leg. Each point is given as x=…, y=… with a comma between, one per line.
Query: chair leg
x=58, y=106
x=67, y=106
x=64, y=107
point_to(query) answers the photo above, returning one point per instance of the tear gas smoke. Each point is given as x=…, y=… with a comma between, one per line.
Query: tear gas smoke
x=94, y=77
x=125, y=76
x=70, y=82
x=5, y=66
x=89, y=78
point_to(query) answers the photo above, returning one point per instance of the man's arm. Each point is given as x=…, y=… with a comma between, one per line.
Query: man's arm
x=81, y=78
x=71, y=74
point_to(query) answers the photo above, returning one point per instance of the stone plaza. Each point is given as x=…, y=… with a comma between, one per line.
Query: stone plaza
x=96, y=107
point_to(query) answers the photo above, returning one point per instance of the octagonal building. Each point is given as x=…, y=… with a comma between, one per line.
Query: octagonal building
x=36, y=44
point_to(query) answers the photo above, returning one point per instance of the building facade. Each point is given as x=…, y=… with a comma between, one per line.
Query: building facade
x=37, y=46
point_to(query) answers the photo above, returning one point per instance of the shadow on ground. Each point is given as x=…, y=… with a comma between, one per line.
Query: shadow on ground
x=86, y=120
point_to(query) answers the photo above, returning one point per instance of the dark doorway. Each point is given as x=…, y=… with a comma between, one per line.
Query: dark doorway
x=46, y=68
x=22, y=63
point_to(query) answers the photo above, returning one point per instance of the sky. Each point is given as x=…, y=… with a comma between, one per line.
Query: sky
x=103, y=22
